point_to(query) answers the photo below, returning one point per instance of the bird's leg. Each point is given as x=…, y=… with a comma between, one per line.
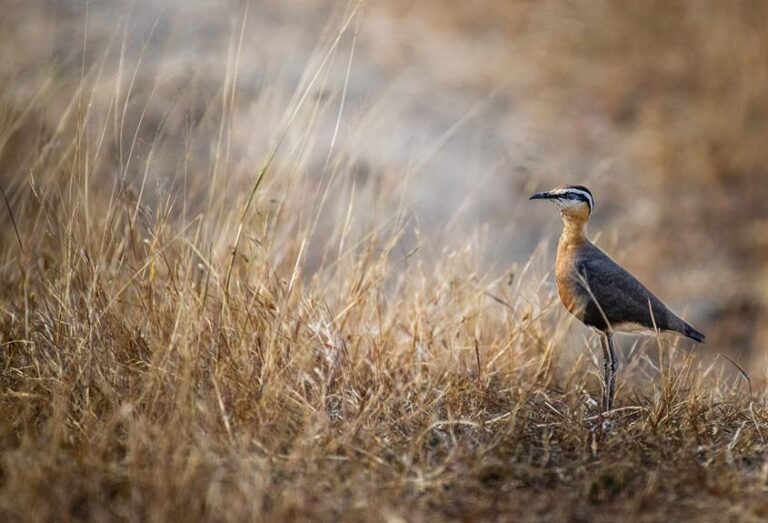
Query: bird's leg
x=607, y=371
x=614, y=369
x=611, y=369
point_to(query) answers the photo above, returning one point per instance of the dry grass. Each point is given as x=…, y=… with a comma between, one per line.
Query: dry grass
x=245, y=338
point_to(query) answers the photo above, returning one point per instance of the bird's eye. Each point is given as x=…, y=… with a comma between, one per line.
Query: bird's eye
x=572, y=196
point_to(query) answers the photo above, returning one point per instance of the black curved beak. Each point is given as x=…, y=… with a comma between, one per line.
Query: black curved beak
x=540, y=196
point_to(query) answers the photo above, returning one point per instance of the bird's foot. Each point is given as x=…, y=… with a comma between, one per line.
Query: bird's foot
x=601, y=422
x=607, y=425
x=589, y=402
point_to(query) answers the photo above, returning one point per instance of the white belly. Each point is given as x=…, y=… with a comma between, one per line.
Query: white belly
x=632, y=328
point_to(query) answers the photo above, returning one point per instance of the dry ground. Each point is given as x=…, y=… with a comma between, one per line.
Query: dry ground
x=218, y=303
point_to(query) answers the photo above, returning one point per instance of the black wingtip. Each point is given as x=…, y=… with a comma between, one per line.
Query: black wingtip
x=694, y=334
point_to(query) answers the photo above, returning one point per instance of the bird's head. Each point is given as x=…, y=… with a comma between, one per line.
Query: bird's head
x=574, y=201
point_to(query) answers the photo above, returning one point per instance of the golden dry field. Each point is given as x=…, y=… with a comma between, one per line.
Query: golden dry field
x=275, y=261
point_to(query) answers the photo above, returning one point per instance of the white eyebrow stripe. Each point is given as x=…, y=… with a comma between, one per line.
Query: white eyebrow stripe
x=585, y=194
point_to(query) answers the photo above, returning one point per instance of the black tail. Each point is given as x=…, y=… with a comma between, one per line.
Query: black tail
x=694, y=334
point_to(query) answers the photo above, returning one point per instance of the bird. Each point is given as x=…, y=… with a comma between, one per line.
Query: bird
x=598, y=291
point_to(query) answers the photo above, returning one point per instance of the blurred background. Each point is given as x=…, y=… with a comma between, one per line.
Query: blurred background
x=453, y=111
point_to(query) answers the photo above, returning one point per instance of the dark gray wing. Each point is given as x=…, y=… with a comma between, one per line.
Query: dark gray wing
x=621, y=297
